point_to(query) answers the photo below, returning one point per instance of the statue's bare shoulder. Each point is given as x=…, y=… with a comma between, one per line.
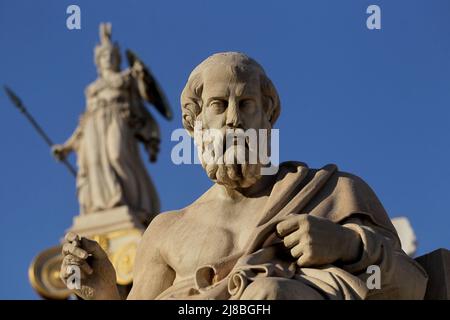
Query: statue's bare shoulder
x=161, y=229
x=152, y=274
x=155, y=268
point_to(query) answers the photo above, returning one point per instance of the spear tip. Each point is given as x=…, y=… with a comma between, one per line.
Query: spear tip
x=13, y=97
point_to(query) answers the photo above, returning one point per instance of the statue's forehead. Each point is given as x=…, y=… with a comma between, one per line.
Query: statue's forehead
x=220, y=80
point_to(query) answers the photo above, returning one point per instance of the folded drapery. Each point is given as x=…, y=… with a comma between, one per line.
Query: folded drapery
x=327, y=193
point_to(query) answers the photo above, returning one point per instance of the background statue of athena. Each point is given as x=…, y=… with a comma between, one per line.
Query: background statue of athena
x=110, y=170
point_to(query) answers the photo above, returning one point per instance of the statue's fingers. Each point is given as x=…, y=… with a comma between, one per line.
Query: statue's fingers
x=297, y=251
x=71, y=248
x=86, y=268
x=292, y=239
x=305, y=260
x=65, y=249
x=92, y=247
x=287, y=226
x=66, y=266
x=71, y=261
x=67, y=271
x=72, y=237
x=63, y=272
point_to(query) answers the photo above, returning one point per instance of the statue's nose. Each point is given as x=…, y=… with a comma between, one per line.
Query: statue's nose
x=233, y=117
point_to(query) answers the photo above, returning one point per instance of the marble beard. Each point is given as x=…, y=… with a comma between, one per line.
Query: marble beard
x=229, y=165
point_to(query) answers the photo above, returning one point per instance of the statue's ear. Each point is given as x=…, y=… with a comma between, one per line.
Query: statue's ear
x=271, y=101
x=268, y=106
x=191, y=103
x=190, y=111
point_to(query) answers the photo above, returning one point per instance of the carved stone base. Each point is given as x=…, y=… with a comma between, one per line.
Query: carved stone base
x=101, y=222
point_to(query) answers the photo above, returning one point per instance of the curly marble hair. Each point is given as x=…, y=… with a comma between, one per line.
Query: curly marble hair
x=191, y=101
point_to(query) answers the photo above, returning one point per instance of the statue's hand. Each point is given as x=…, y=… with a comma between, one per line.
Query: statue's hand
x=85, y=259
x=137, y=70
x=316, y=241
x=60, y=152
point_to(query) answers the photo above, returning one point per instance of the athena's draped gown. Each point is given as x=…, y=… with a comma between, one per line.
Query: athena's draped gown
x=111, y=172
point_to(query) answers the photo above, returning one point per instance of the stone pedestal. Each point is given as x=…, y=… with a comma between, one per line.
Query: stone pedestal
x=102, y=222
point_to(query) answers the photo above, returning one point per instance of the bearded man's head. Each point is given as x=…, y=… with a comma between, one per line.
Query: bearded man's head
x=228, y=94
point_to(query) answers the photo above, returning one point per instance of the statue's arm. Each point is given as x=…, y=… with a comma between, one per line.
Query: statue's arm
x=400, y=276
x=61, y=151
x=377, y=244
x=71, y=143
x=152, y=274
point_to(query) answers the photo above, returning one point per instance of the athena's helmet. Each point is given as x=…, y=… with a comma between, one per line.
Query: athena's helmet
x=106, y=46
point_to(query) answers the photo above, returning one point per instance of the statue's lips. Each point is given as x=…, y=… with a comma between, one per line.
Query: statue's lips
x=236, y=142
x=236, y=137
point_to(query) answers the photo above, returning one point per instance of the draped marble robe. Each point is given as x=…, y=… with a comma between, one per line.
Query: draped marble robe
x=110, y=170
x=326, y=193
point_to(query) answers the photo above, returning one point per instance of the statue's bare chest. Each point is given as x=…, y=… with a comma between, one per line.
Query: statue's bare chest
x=206, y=238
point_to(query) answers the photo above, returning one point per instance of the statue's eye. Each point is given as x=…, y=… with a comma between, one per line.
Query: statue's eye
x=218, y=106
x=247, y=105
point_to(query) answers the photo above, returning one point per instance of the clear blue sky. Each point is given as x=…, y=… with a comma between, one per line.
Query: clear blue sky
x=376, y=103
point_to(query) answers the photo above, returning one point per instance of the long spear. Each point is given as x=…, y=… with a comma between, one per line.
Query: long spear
x=18, y=103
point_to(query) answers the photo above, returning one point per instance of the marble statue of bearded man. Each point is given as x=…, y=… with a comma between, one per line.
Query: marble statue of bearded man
x=301, y=233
